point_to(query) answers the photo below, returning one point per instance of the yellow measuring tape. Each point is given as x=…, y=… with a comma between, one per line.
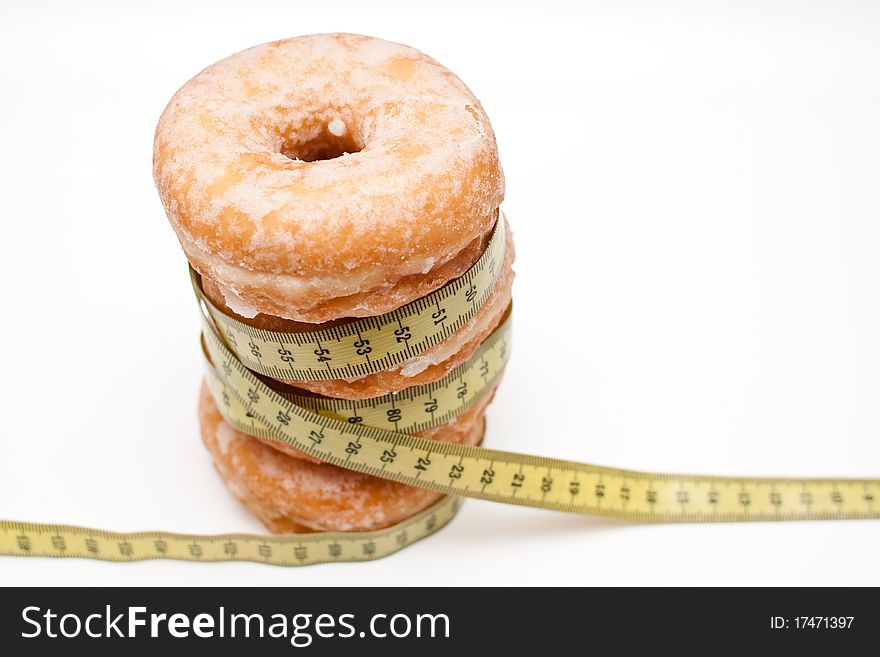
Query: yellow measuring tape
x=372, y=436
x=411, y=410
x=546, y=483
x=26, y=539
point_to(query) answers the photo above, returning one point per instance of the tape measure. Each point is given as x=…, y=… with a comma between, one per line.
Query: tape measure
x=39, y=540
x=465, y=471
x=411, y=410
x=372, y=436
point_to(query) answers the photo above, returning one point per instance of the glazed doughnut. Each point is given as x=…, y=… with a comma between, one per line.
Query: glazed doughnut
x=316, y=179
x=290, y=494
x=327, y=176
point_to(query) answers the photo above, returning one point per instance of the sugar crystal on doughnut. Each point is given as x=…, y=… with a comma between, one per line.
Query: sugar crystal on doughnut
x=337, y=127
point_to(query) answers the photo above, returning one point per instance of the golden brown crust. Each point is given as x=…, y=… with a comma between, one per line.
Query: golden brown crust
x=362, y=304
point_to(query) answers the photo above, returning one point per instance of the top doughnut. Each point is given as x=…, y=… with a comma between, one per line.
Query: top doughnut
x=327, y=176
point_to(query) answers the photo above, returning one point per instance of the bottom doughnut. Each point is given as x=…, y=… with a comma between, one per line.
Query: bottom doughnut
x=292, y=495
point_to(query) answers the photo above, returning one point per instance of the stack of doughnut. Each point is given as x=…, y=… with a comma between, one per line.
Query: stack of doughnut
x=320, y=178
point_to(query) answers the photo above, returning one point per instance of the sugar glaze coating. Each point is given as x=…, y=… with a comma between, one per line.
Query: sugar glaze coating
x=238, y=162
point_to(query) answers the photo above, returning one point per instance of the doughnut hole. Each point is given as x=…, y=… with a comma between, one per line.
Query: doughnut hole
x=327, y=140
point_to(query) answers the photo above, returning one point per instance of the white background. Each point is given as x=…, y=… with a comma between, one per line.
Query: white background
x=696, y=182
